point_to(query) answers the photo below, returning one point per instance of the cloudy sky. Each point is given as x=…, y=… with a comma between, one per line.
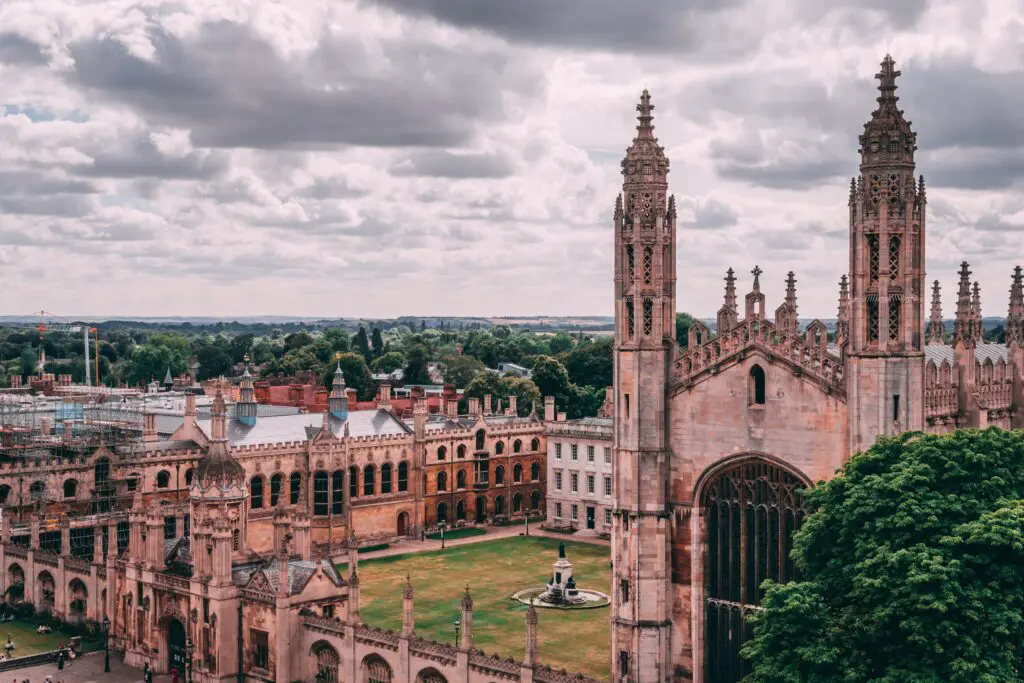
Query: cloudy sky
x=460, y=157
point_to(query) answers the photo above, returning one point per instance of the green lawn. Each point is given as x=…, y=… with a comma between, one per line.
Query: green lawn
x=27, y=641
x=575, y=640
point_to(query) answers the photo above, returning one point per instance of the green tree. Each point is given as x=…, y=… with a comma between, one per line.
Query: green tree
x=241, y=346
x=357, y=375
x=389, y=362
x=362, y=343
x=297, y=341
x=591, y=364
x=151, y=361
x=338, y=339
x=911, y=564
x=683, y=322
x=213, y=362
x=416, y=365
x=560, y=343
x=377, y=341
x=460, y=370
x=500, y=388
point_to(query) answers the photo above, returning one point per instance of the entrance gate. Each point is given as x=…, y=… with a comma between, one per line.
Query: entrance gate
x=752, y=510
x=176, y=647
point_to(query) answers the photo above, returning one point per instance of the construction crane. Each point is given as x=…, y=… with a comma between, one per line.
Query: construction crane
x=59, y=325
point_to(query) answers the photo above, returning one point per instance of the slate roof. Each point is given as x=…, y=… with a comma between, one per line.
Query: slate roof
x=982, y=352
x=299, y=574
x=282, y=428
x=168, y=423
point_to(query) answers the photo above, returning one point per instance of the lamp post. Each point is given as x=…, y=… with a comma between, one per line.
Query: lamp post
x=443, y=525
x=106, y=644
x=457, y=623
x=190, y=646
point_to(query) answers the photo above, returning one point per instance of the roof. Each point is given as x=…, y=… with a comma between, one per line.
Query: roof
x=299, y=574
x=169, y=423
x=284, y=428
x=982, y=352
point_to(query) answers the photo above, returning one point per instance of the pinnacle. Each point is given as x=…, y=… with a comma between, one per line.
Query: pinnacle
x=645, y=129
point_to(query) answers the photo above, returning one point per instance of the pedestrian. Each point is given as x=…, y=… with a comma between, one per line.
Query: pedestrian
x=174, y=675
x=60, y=660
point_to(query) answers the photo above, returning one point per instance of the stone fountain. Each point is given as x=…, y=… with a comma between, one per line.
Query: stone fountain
x=561, y=590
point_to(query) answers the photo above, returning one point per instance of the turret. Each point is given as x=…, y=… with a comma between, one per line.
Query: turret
x=337, y=402
x=843, y=316
x=936, y=329
x=246, y=408
x=728, y=314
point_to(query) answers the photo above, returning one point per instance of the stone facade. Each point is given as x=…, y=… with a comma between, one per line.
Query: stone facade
x=580, y=475
x=713, y=442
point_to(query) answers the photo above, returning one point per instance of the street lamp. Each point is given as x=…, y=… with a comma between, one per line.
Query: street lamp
x=106, y=644
x=443, y=525
x=189, y=651
x=457, y=623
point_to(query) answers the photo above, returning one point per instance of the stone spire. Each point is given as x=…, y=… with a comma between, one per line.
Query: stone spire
x=246, y=408
x=754, y=302
x=218, y=466
x=963, y=327
x=728, y=314
x=1015, y=317
x=337, y=402
x=887, y=139
x=786, y=315
x=976, y=311
x=645, y=158
x=408, y=622
x=936, y=330
x=467, y=620
x=843, y=317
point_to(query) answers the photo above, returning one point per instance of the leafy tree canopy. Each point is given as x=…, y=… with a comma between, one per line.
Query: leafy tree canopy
x=912, y=568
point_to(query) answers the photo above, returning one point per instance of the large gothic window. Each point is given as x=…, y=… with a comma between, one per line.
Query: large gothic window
x=894, y=317
x=873, y=332
x=403, y=477
x=294, y=487
x=894, y=257
x=648, y=265
x=630, y=267
x=873, y=257
x=377, y=670
x=752, y=509
x=648, y=316
x=320, y=494
x=256, y=492
x=337, y=491
x=327, y=663
x=630, y=317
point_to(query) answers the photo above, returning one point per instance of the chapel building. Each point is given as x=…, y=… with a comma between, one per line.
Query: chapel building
x=712, y=443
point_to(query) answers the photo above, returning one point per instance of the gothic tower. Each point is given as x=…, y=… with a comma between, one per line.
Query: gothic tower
x=885, y=356
x=645, y=282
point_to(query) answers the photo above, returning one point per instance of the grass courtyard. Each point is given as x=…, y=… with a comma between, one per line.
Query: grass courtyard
x=28, y=642
x=577, y=640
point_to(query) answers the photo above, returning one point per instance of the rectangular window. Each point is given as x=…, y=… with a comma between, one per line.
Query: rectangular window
x=558, y=510
x=206, y=610
x=623, y=663
x=894, y=317
x=574, y=449
x=624, y=590
x=574, y=511
x=608, y=486
x=872, y=318
x=590, y=454
x=590, y=484
x=626, y=402
x=260, y=649
x=894, y=257
x=558, y=480
x=187, y=527
x=607, y=517
x=574, y=482
x=895, y=407
x=607, y=456
x=170, y=528
x=873, y=258
x=558, y=451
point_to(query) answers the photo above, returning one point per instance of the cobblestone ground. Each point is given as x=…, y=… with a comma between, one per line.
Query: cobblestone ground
x=87, y=669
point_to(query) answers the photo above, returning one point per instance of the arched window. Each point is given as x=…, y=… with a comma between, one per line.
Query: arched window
x=327, y=663
x=132, y=482
x=163, y=479
x=517, y=503
x=517, y=446
x=369, y=481
x=189, y=473
x=499, y=505
x=460, y=479
x=480, y=439
x=757, y=389
x=377, y=670
x=236, y=542
x=442, y=481
x=101, y=476
x=535, y=500
x=276, y=482
x=442, y=452
x=535, y=471
x=499, y=474
x=460, y=510
x=320, y=495
x=442, y=513
x=256, y=492
x=70, y=488
x=403, y=477
x=385, y=478
x=431, y=675
x=353, y=482
x=337, y=491
x=461, y=451
x=5, y=491
x=499, y=448
x=295, y=488
x=35, y=491
x=517, y=473
x=535, y=445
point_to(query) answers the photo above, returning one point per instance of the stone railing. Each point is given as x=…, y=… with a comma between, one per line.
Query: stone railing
x=548, y=675
x=172, y=582
x=324, y=624
x=377, y=636
x=430, y=649
x=940, y=401
x=77, y=564
x=49, y=559
x=494, y=664
x=703, y=360
x=16, y=550
x=996, y=396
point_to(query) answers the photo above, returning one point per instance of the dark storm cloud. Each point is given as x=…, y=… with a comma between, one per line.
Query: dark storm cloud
x=712, y=215
x=974, y=169
x=443, y=164
x=231, y=89
x=140, y=158
x=27, y=182
x=783, y=174
x=15, y=49
x=638, y=26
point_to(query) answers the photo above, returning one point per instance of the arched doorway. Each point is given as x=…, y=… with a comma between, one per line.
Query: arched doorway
x=78, y=600
x=403, y=523
x=442, y=513
x=752, y=510
x=499, y=505
x=175, y=646
x=481, y=509
x=15, y=583
x=47, y=591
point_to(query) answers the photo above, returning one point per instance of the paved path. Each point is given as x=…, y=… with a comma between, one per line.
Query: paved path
x=86, y=669
x=494, y=533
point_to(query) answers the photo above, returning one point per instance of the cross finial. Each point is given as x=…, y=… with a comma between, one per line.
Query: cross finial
x=756, y=272
x=888, y=75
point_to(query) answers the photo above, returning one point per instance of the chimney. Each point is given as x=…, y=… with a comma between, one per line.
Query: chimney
x=474, y=407
x=512, y=405
x=149, y=428
x=384, y=400
x=453, y=408
x=45, y=427
x=419, y=419
x=549, y=408
x=15, y=381
x=561, y=417
x=487, y=404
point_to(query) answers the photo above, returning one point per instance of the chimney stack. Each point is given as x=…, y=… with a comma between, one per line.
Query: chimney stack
x=512, y=405
x=149, y=434
x=474, y=407
x=487, y=404
x=549, y=408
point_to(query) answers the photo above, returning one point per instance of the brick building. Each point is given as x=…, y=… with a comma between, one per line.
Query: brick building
x=713, y=442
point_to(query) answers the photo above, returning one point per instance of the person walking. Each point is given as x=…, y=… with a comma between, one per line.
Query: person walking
x=60, y=659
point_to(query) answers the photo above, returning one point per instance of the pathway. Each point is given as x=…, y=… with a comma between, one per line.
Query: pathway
x=85, y=669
